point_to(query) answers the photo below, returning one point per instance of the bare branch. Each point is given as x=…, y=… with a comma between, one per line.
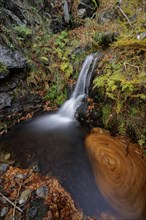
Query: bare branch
x=10, y=202
x=126, y=63
x=123, y=13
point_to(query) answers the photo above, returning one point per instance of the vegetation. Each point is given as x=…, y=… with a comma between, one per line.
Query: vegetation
x=3, y=69
x=55, y=60
x=119, y=83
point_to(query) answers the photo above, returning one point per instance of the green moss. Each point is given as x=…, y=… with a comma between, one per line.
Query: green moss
x=121, y=86
x=3, y=70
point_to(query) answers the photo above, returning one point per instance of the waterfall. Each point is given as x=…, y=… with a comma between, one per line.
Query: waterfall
x=67, y=111
x=69, y=108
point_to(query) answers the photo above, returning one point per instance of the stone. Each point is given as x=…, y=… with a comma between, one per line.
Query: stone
x=5, y=100
x=82, y=12
x=141, y=36
x=37, y=210
x=3, y=167
x=66, y=12
x=89, y=8
x=12, y=59
x=4, y=211
x=20, y=176
x=24, y=196
x=42, y=192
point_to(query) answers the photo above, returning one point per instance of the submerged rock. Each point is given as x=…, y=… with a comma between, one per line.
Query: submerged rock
x=37, y=210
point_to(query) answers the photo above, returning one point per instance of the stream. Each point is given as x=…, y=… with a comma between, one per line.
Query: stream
x=55, y=142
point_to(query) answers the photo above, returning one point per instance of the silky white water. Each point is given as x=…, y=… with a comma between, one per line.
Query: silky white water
x=66, y=113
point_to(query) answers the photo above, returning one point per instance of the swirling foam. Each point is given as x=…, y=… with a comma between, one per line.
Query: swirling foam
x=121, y=177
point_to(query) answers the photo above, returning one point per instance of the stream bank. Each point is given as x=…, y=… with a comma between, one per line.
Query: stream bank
x=53, y=49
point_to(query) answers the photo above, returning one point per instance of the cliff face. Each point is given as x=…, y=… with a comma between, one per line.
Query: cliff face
x=43, y=44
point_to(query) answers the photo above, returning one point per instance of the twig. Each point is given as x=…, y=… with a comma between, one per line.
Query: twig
x=82, y=3
x=124, y=15
x=126, y=63
x=14, y=210
x=10, y=202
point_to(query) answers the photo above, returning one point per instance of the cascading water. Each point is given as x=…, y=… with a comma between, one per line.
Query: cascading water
x=81, y=90
x=66, y=114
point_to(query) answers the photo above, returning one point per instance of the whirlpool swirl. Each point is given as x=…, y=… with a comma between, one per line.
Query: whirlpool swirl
x=120, y=177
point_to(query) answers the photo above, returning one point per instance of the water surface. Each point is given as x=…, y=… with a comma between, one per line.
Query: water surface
x=59, y=151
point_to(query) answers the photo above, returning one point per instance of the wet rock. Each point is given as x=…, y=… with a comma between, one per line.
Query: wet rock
x=5, y=100
x=42, y=192
x=4, y=211
x=3, y=167
x=107, y=16
x=12, y=59
x=24, y=196
x=87, y=8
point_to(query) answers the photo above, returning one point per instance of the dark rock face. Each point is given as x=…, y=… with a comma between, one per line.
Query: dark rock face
x=12, y=59
x=16, y=98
